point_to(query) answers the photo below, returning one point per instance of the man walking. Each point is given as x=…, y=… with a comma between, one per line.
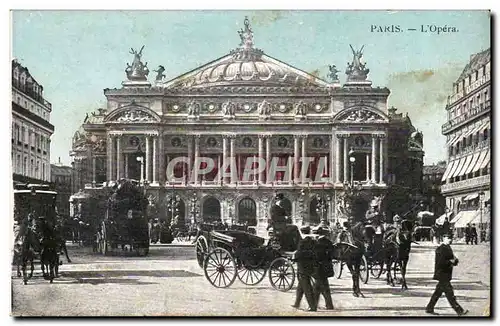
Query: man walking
x=324, y=269
x=443, y=268
x=305, y=259
x=473, y=234
x=468, y=234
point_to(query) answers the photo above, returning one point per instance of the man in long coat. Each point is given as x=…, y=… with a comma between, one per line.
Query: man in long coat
x=306, y=265
x=443, y=269
x=324, y=269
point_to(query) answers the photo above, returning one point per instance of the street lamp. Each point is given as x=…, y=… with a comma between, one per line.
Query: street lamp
x=140, y=159
x=481, y=236
x=194, y=208
x=352, y=159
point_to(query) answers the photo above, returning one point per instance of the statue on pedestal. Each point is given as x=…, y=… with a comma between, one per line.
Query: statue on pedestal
x=138, y=70
x=357, y=71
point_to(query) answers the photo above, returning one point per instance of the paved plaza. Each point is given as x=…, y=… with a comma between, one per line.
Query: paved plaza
x=169, y=282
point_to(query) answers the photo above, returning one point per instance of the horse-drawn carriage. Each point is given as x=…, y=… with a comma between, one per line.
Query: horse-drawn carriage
x=227, y=254
x=37, y=230
x=125, y=223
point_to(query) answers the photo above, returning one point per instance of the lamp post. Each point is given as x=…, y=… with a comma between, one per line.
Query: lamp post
x=481, y=235
x=301, y=205
x=140, y=159
x=194, y=208
x=352, y=159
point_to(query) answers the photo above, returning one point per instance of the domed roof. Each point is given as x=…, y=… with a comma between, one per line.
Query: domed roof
x=245, y=65
x=256, y=70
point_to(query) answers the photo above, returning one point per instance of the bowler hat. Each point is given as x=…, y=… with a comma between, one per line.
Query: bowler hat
x=279, y=196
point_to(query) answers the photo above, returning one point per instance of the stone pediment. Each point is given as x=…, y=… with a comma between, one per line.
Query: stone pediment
x=361, y=115
x=132, y=114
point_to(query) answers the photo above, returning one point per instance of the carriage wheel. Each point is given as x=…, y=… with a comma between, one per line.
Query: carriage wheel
x=338, y=265
x=377, y=269
x=281, y=274
x=220, y=268
x=251, y=276
x=363, y=270
x=201, y=250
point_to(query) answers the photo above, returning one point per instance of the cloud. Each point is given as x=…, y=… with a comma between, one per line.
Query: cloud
x=265, y=18
x=423, y=95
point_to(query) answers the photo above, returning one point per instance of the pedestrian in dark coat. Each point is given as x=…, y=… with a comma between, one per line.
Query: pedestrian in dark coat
x=306, y=262
x=468, y=234
x=324, y=254
x=473, y=234
x=443, y=269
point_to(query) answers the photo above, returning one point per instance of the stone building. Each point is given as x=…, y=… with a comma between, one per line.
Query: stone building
x=62, y=179
x=31, y=128
x=248, y=104
x=433, y=199
x=467, y=179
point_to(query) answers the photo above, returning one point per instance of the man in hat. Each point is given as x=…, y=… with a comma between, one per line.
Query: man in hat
x=468, y=233
x=324, y=254
x=278, y=216
x=473, y=234
x=306, y=265
x=443, y=269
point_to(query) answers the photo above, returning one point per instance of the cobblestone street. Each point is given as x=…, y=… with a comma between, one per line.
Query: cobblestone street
x=169, y=282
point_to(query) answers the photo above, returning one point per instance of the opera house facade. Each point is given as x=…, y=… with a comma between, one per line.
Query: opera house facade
x=250, y=114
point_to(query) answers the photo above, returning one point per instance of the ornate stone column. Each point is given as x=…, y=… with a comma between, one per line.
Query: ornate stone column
x=126, y=165
x=224, y=159
x=346, y=159
x=268, y=157
x=296, y=159
x=331, y=171
x=118, y=157
x=374, y=159
x=261, y=176
x=161, y=160
x=304, y=154
x=367, y=167
x=190, y=156
x=109, y=156
x=196, y=158
x=148, y=158
x=93, y=170
x=381, y=159
x=155, y=159
x=337, y=159
x=232, y=159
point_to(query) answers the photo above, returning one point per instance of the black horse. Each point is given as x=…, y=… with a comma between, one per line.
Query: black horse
x=24, y=252
x=351, y=253
x=397, y=245
x=49, y=258
x=50, y=246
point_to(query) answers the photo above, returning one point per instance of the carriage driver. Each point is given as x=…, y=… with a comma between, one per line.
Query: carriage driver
x=372, y=220
x=279, y=218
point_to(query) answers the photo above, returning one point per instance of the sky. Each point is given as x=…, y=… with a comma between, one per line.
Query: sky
x=77, y=54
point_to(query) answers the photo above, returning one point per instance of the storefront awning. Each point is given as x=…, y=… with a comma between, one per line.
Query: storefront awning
x=466, y=217
x=449, y=168
x=486, y=160
x=440, y=220
x=454, y=140
x=468, y=159
x=473, y=163
x=485, y=218
x=457, y=217
x=480, y=160
x=471, y=197
x=459, y=167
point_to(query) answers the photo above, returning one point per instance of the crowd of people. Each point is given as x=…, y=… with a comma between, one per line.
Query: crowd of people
x=314, y=256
